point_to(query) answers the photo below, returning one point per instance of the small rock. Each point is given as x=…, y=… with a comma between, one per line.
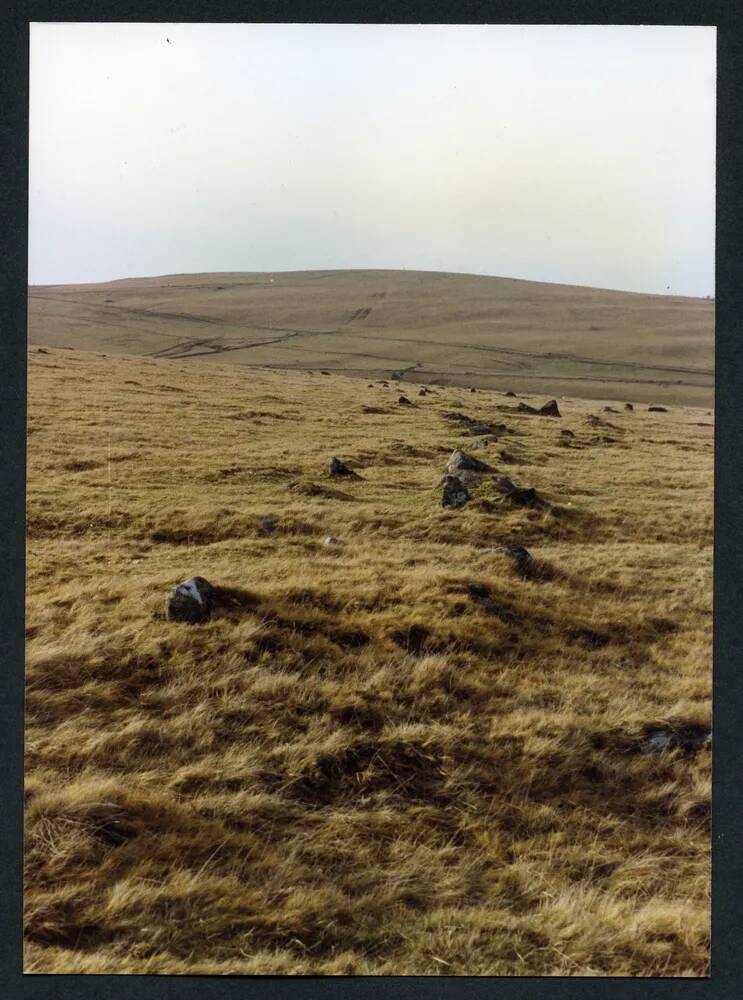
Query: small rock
x=511, y=394
x=657, y=409
x=609, y=409
x=324, y=373
x=550, y=409
x=478, y=430
x=664, y=739
x=455, y=493
x=473, y=390
x=404, y=401
x=628, y=406
x=338, y=468
x=331, y=540
x=460, y=461
x=423, y=392
x=268, y=522
x=480, y=594
x=521, y=557
x=522, y=407
x=518, y=495
x=190, y=601
x=566, y=433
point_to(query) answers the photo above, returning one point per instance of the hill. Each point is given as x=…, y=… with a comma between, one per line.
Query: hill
x=394, y=750
x=436, y=328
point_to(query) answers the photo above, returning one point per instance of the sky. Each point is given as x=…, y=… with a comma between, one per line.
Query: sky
x=575, y=154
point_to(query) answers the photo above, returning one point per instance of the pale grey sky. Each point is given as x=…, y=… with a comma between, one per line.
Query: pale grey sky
x=583, y=155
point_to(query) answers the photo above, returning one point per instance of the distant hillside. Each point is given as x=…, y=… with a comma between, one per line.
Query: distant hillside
x=424, y=327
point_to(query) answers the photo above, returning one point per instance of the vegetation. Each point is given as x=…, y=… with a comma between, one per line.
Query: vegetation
x=449, y=329
x=354, y=767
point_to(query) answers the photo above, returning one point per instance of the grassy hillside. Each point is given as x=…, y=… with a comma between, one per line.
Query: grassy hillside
x=361, y=763
x=453, y=329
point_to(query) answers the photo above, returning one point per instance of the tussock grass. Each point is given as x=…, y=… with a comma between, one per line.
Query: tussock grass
x=354, y=767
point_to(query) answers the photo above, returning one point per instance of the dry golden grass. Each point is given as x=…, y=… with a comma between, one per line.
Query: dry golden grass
x=352, y=768
x=449, y=329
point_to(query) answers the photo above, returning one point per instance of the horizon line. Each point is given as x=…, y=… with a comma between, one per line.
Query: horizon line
x=342, y=270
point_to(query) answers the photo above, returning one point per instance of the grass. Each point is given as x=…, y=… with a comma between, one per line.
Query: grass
x=353, y=768
x=436, y=328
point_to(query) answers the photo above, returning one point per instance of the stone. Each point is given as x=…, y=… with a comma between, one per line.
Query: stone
x=473, y=390
x=628, y=406
x=550, y=409
x=331, y=540
x=519, y=556
x=657, y=409
x=323, y=372
x=665, y=739
x=404, y=401
x=522, y=407
x=480, y=594
x=609, y=409
x=268, y=522
x=191, y=601
x=460, y=461
x=511, y=394
x=455, y=493
x=478, y=430
x=338, y=468
x=522, y=497
x=566, y=433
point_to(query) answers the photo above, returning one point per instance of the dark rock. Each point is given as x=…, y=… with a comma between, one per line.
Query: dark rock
x=338, y=468
x=550, y=409
x=518, y=495
x=455, y=493
x=423, y=392
x=628, y=406
x=521, y=557
x=41, y=350
x=324, y=373
x=190, y=601
x=609, y=409
x=657, y=409
x=566, y=433
x=480, y=594
x=460, y=418
x=477, y=430
x=522, y=407
x=268, y=522
x=473, y=390
x=511, y=394
x=664, y=739
x=404, y=401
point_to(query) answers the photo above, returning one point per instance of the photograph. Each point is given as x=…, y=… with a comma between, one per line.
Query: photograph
x=369, y=499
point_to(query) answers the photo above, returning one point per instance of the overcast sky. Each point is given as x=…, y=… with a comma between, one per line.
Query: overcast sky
x=582, y=155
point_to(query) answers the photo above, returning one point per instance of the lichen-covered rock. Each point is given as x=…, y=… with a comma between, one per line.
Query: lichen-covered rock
x=190, y=601
x=460, y=461
x=665, y=739
x=455, y=493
